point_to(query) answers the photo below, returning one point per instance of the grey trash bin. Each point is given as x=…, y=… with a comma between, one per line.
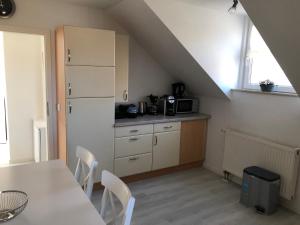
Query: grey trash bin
x=260, y=189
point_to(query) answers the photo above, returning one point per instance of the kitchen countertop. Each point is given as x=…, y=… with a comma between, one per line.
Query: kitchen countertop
x=152, y=119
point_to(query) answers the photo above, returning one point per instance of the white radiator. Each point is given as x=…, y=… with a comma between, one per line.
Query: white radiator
x=242, y=150
x=40, y=141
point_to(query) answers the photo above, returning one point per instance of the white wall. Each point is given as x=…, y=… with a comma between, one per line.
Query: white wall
x=25, y=91
x=145, y=75
x=269, y=116
x=48, y=15
x=213, y=37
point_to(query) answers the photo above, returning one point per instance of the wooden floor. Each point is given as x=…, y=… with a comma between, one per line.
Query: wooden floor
x=196, y=197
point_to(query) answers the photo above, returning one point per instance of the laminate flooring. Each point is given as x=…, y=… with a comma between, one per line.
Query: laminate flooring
x=195, y=197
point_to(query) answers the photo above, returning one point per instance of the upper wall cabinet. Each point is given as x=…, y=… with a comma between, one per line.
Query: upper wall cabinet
x=122, y=67
x=89, y=47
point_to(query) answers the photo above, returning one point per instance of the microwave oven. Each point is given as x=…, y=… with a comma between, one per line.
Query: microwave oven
x=187, y=105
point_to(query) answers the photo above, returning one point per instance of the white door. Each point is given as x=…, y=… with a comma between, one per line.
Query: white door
x=89, y=47
x=3, y=133
x=166, y=150
x=122, y=67
x=90, y=124
x=88, y=81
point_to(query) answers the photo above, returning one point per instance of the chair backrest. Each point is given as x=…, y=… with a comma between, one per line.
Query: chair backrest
x=113, y=185
x=86, y=160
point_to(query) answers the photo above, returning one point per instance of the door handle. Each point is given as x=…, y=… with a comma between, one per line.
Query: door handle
x=155, y=140
x=47, y=109
x=70, y=108
x=133, y=158
x=133, y=139
x=70, y=89
x=134, y=131
x=69, y=55
x=168, y=127
x=125, y=95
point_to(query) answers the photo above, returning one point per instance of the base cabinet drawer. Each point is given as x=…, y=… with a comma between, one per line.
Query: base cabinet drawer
x=133, y=130
x=133, y=165
x=135, y=145
x=167, y=127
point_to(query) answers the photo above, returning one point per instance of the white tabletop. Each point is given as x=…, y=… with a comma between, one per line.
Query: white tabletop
x=55, y=198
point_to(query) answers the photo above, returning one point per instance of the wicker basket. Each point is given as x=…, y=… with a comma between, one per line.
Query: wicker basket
x=12, y=203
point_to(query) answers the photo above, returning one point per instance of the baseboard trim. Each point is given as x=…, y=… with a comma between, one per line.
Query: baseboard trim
x=157, y=173
x=212, y=169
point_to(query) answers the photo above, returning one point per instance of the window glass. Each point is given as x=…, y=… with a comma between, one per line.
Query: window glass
x=262, y=63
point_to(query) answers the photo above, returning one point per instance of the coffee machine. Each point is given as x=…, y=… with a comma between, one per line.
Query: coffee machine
x=167, y=105
x=178, y=90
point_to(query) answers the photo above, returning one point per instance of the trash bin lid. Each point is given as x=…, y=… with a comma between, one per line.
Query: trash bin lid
x=262, y=173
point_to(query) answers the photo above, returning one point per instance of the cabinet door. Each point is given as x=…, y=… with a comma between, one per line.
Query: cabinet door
x=122, y=67
x=90, y=124
x=166, y=150
x=87, y=81
x=193, y=141
x=89, y=47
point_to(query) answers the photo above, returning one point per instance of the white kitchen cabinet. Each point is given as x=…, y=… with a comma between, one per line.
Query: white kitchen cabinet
x=89, y=124
x=122, y=67
x=133, y=165
x=88, y=81
x=133, y=149
x=166, y=149
x=134, y=145
x=89, y=47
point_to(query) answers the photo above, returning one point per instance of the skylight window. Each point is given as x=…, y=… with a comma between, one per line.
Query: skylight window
x=260, y=65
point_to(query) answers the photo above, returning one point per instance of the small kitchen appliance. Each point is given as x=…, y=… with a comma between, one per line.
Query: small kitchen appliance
x=126, y=111
x=178, y=90
x=152, y=109
x=167, y=105
x=142, y=108
x=187, y=105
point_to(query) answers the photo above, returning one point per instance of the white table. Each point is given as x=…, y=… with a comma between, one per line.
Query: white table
x=55, y=198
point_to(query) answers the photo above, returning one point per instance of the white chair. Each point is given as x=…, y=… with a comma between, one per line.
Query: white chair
x=113, y=185
x=86, y=160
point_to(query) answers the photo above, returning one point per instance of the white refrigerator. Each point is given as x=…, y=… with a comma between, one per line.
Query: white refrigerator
x=90, y=110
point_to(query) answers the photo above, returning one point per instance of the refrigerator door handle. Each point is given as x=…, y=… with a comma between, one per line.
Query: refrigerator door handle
x=70, y=89
x=70, y=108
x=69, y=55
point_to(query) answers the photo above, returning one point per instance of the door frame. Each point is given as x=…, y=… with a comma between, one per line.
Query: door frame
x=50, y=81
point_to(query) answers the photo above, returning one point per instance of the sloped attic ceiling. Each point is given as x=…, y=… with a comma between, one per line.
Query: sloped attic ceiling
x=278, y=23
x=198, y=67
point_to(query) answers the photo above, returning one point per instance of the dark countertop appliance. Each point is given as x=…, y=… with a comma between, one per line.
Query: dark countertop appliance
x=178, y=90
x=167, y=105
x=152, y=109
x=126, y=111
x=142, y=108
x=187, y=105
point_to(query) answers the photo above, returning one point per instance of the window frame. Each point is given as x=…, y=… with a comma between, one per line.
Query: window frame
x=246, y=64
